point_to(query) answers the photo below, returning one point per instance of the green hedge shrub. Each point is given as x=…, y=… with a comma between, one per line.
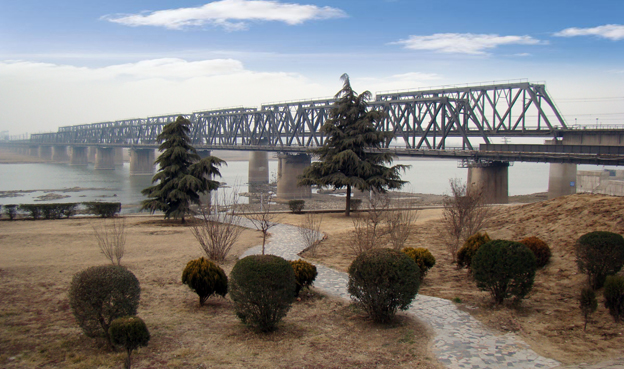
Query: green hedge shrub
x=470, y=248
x=382, y=281
x=296, y=206
x=130, y=332
x=588, y=303
x=355, y=204
x=10, y=211
x=505, y=269
x=539, y=248
x=205, y=278
x=100, y=294
x=599, y=254
x=305, y=274
x=103, y=209
x=614, y=296
x=33, y=210
x=422, y=257
x=262, y=288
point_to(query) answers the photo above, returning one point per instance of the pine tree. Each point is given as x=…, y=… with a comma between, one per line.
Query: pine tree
x=182, y=176
x=346, y=159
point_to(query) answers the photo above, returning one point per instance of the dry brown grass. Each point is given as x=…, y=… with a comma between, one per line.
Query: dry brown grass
x=39, y=259
x=550, y=319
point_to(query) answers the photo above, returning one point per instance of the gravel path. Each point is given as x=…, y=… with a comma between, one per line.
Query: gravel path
x=460, y=340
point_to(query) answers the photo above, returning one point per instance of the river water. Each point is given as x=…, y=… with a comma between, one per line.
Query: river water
x=424, y=176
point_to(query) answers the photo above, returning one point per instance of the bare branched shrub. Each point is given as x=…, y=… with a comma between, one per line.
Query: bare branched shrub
x=263, y=219
x=217, y=233
x=368, y=226
x=465, y=213
x=400, y=226
x=310, y=231
x=111, y=238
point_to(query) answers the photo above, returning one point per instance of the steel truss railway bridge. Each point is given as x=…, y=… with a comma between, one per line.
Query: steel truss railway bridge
x=454, y=122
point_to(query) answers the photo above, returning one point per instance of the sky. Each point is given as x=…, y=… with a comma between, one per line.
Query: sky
x=67, y=62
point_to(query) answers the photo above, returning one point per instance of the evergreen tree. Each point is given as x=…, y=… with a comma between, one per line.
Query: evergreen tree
x=346, y=159
x=182, y=176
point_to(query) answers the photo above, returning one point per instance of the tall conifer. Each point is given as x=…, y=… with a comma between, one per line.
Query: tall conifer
x=346, y=159
x=183, y=174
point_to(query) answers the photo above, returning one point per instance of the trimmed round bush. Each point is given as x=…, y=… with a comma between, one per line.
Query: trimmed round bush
x=305, y=274
x=505, y=269
x=382, y=281
x=539, y=248
x=100, y=294
x=470, y=248
x=205, y=278
x=422, y=257
x=130, y=332
x=614, y=296
x=599, y=254
x=262, y=288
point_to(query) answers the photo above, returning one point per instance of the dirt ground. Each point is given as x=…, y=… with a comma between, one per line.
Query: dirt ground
x=549, y=319
x=39, y=259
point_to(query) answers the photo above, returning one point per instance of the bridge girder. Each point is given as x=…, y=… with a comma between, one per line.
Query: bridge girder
x=423, y=119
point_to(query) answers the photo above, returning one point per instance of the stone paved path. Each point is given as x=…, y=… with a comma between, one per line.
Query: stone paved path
x=460, y=340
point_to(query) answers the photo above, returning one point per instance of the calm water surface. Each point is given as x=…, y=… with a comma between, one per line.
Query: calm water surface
x=424, y=176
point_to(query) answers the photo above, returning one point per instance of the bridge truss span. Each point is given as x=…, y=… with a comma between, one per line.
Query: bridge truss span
x=424, y=119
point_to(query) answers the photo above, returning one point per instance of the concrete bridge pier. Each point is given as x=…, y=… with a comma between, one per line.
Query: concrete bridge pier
x=59, y=154
x=105, y=158
x=288, y=169
x=561, y=180
x=205, y=198
x=142, y=162
x=258, y=174
x=119, y=156
x=78, y=156
x=492, y=178
x=91, y=154
x=45, y=152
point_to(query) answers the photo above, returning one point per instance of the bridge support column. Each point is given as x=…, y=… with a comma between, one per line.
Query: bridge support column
x=59, y=154
x=142, y=162
x=492, y=179
x=288, y=169
x=258, y=174
x=91, y=154
x=119, y=156
x=205, y=198
x=561, y=180
x=78, y=156
x=45, y=152
x=105, y=158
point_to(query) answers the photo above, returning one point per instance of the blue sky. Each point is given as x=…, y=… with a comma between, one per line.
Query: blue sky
x=72, y=62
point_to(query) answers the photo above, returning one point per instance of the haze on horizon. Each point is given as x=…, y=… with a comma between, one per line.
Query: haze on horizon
x=69, y=62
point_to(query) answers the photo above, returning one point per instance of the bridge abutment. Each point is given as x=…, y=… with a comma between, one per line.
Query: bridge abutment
x=45, y=152
x=78, y=156
x=288, y=169
x=492, y=178
x=561, y=180
x=258, y=173
x=105, y=158
x=142, y=162
x=59, y=154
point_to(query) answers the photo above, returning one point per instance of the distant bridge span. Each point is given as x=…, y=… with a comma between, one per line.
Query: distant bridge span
x=423, y=119
x=452, y=123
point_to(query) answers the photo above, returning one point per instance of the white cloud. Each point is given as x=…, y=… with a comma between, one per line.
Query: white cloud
x=40, y=97
x=464, y=43
x=230, y=14
x=613, y=32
